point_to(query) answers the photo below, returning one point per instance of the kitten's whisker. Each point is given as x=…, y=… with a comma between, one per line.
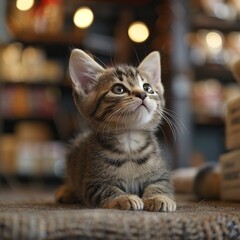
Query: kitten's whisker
x=100, y=61
x=120, y=116
x=174, y=117
x=174, y=121
x=170, y=124
x=104, y=121
x=112, y=115
x=172, y=114
x=100, y=113
x=136, y=55
x=89, y=75
x=180, y=124
x=165, y=137
x=172, y=127
x=126, y=116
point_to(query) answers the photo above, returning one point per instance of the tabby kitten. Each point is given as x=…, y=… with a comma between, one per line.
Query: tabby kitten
x=118, y=164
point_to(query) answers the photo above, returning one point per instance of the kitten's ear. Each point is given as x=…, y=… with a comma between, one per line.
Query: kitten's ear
x=152, y=67
x=83, y=71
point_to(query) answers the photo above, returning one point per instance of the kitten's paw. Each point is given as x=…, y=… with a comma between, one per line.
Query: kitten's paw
x=159, y=203
x=125, y=202
x=65, y=195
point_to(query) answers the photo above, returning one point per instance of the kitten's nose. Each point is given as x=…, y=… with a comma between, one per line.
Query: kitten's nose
x=141, y=95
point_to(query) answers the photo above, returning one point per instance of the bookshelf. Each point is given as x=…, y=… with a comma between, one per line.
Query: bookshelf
x=36, y=94
x=213, y=40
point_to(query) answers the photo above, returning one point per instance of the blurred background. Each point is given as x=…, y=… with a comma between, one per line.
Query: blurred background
x=199, y=40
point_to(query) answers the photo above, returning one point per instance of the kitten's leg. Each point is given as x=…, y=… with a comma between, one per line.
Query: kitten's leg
x=158, y=197
x=112, y=197
x=65, y=195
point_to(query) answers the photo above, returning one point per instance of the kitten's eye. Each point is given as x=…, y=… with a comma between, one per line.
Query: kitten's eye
x=147, y=88
x=118, y=89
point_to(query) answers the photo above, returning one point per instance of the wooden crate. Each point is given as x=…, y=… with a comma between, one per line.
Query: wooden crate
x=230, y=176
x=233, y=124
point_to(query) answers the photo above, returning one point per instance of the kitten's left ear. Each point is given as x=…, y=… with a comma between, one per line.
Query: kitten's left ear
x=83, y=71
x=152, y=67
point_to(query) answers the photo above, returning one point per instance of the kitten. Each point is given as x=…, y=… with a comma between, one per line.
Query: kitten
x=118, y=164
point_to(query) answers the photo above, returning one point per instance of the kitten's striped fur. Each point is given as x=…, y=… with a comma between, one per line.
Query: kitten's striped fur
x=118, y=164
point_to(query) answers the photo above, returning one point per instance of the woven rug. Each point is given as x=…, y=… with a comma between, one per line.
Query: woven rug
x=36, y=216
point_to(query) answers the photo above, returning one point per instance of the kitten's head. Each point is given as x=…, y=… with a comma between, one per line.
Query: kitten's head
x=117, y=99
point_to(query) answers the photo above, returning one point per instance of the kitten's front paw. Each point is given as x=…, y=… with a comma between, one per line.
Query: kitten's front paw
x=125, y=202
x=159, y=203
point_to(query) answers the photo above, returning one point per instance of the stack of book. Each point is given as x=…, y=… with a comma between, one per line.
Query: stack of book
x=230, y=162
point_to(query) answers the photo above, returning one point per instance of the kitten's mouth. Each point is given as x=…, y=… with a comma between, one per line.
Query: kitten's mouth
x=142, y=105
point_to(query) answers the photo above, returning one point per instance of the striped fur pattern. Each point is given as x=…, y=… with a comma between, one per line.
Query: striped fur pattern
x=118, y=163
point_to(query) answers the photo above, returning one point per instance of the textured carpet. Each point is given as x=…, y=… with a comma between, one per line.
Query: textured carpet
x=27, y=215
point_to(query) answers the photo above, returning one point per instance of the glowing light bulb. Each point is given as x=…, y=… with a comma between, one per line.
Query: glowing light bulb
x=138, y=32
x=83, y=17
x=24, y=5
x=214, y=40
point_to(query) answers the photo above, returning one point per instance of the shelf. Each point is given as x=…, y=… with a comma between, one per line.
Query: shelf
x=209, y=120
x=46, y=38
x=58, y=84
x=28, y=117
x=214, y=71
x=49, y=180
x=202, y=21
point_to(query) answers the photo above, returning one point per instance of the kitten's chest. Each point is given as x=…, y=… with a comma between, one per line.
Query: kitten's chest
x=130, y=142
x=132, y=177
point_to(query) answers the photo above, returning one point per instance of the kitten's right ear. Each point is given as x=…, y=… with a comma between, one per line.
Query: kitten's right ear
x=83, y=71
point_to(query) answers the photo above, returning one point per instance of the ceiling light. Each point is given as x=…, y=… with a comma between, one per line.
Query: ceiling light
x=83, y=17
x=24, y=5
x=138, y=32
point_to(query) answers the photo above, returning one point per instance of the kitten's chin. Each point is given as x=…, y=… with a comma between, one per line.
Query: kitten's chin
x=143, y=114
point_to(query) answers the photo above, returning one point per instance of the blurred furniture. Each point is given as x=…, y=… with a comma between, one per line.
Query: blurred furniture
x=230, y=161
x=37, y=112
x=206, y=42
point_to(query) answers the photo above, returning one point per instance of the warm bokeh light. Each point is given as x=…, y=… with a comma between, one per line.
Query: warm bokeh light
x=138, y=32
x=12, y=54
x=214, y=40
x=83, y=17
x=24, y=5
